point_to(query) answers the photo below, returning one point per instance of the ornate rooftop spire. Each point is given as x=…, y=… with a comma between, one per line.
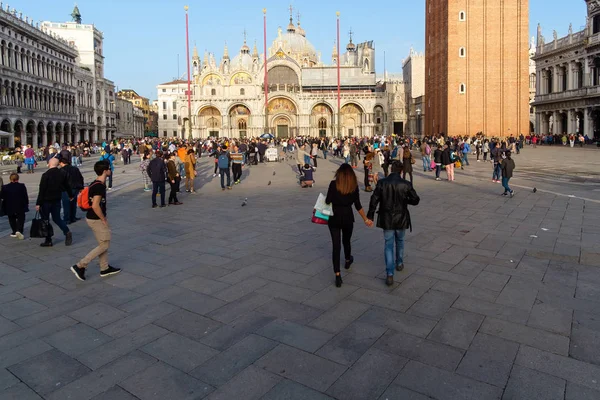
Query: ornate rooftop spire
x=245, y=49
x=195, y=54
x=299, y=29
x=291, y=27
x=76, y=15
x=351, y=46
x=226, y=52
x=255, y=50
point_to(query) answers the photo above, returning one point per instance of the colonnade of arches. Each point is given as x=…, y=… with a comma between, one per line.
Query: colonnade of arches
x=16, y=94
x=41, y=133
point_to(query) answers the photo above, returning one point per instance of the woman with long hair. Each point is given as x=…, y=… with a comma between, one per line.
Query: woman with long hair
x=342, y=194
x=190, y=170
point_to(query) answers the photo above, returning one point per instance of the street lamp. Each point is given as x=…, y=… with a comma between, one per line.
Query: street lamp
x=418, y=121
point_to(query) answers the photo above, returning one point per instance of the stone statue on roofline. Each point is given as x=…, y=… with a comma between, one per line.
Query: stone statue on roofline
x=76, y=15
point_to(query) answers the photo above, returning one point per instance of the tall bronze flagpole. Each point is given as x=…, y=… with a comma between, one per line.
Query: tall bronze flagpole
x=266, y=70
x=189, y=82
x=339, y=122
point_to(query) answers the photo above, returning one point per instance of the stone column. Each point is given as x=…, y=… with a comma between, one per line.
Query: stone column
x=570, y=121
x=538, y=80
x=538, y=123
x=35, y=139
x=587, y=128
x=570, y=71
x=586, y=73
x=555, y=126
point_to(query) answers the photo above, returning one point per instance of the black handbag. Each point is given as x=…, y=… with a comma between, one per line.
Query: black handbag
x=40, y=228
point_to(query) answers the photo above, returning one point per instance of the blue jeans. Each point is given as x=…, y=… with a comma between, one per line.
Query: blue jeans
x=69, y=207
x=497, y=172
x=391, y=237
x=181, y=170
x=507, y=188
x=466, y=158
x=223, y=172
x=53, y=209
x=426, y=163
x=438, y=169
x=325, y=154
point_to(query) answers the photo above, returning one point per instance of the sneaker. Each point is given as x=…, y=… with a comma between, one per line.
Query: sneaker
x=147, y=190
x=219, y=175
x=438, y=179
x=399, y=267
x=163, y=206
x=389, y=280
x=214, y=175
x=110, y=271
x=68, y=239
x=154, y=206
x=504, y=194
x=229, y=188
x=46, y=244
x=19, y=236
x=512, y=193
x=14, y=235
x=79, y=272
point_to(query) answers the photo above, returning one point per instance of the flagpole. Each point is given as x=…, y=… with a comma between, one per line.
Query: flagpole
x=266, y=84
x=338, y=76
x=189, y=81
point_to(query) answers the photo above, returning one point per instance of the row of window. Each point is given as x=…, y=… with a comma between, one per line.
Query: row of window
x=32, y=42
x=25, y=61
x=165, y=116
x=165, y=105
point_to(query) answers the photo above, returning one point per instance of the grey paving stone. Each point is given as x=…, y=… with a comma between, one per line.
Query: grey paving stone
x=530, y=336
x=351, y=343
x=7, y=326
x=445, y=276
x=466, y=291
x=42, y=292
x=441, y=384
x=433, y=304
x=179, y=351
x=286, y=292
x=302, y=367
x=518, y=293
x=23, y=352
x=499, y=311
x=19, y=391
x=189, y=324
x=196, y=302
x=77, y=339
x=300, y=336
x=221, y=368
x=393, y=302
x=569, y=369
x=143, y=303
x=576, y=392
x=20, y=308
x=414, y=287
x=394, y=392
x=97, y=315
x=251, y=384
x=115, y=393
x=489, y=360
x=240, y=289
x=161, y=381
x=203, y=285
x=102, y=379
x=138, y=319
x=235, y=331
x=491, y=281
x=290, y=311
x=422, y=350
x=243, y=274
x=7, y=379
x=5, y=298
x=397, y=321
x=369, y=377
x=290, y=390
x=330, y=296
x=339, y=316
x=526, y=384
x=239, y=307
x=119, y=347
x=48, y=371
x=457, y=328
x=552, y=319
x=585, y=338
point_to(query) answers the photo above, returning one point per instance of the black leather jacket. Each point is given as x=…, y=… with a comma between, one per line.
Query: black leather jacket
x=393, y=195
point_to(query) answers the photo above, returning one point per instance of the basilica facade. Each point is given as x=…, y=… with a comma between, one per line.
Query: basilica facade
x=228, y=97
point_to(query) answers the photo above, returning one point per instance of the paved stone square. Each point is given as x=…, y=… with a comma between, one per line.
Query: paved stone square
x=500, y=298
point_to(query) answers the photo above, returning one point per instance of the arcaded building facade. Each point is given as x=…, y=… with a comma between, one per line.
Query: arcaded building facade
x=567, y=97
x=228, y=98
x=477, y=67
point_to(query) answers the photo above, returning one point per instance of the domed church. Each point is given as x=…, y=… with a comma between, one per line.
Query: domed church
x=228, y=98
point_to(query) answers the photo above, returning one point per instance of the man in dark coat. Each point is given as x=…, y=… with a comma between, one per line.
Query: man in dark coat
x=15, y=203
x=393, y=195
x=157, y=171
x=48, y=203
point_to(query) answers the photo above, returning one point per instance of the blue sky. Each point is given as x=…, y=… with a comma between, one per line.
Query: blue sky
x=143, y=38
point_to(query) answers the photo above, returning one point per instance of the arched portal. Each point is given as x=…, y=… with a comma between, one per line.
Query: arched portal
x=379, y=120
x=29, y=132
x=321, y=118
x=58, y=137
x=50, y=138
x=5, y=138
x=19, y=131
x=67, y=133
x=210, y=121
x=40, y=133
x=351, y=119
x=239, y=117
x=282, y=126
x=283, y=115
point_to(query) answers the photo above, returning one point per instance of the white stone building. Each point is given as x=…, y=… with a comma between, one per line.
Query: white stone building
x=228, y=97
x=37, y=83
x=139, y=122
x=169, y=120
x=568, y=79
x=100, y=116
x=532, y=85
x=413, y=73
x=125, y=120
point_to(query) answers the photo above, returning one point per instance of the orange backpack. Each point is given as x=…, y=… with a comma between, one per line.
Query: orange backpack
x=83, y=199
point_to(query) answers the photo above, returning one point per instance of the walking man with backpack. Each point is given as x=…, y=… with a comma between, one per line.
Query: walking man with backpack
x=93, y=200
x=466, y=149
x=75, y=180
x=224, y=162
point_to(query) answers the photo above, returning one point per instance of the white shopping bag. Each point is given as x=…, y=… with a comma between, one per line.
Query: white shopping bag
x=322, y=207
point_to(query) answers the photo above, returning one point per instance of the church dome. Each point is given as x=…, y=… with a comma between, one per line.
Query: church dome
x=295, y=45
x=242, y=61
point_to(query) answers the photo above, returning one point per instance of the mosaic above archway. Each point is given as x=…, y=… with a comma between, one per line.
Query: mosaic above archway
x=211, y=79
x=281, y=105
x=240, y=78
